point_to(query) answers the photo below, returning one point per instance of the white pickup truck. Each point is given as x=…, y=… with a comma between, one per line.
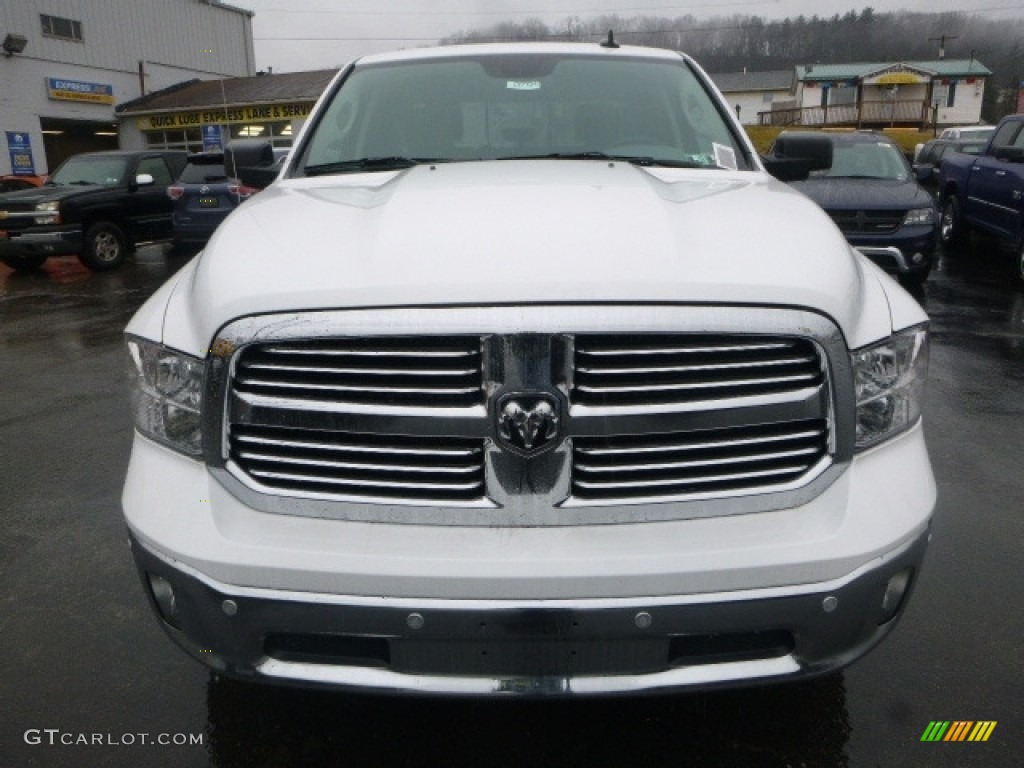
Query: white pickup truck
x=524, y=377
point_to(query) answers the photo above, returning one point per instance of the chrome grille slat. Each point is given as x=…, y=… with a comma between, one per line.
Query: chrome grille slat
x=344, y=464
x=357, y=371
x=626, y=468
x=727, y=460
x=698, y=385
x=354, y=352
x=701, y=480
x=667, y=369
x=440, y=372
x=363, y=484
x=751, y=441
x=683, y=350
x=403, y=390
x=690, y=368
x=351, y=447
x=255, y=458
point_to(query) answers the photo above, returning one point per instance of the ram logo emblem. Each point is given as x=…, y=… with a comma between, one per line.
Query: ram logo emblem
x=528, y=424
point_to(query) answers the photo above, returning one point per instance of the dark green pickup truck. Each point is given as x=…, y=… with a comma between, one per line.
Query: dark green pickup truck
x=98, y=205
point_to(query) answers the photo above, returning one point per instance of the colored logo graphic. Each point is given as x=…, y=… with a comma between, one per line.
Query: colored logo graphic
x=958, y=730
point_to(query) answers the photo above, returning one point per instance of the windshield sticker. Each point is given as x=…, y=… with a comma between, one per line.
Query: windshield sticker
x=523, y=85
x=725, y=157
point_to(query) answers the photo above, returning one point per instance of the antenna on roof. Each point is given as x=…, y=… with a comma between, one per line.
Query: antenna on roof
x=610, y=42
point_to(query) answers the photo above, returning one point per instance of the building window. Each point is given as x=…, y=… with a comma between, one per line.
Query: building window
x=278, y=134
x=951, y=93
x=66, y=29
x=189, y=139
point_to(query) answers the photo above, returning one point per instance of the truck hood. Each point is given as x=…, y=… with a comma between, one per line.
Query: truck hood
x=513, y=232
x=861, y=194
x=26, y=199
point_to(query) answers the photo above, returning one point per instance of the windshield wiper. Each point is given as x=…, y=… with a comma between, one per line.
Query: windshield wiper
x=389, y=163
x=634, y=159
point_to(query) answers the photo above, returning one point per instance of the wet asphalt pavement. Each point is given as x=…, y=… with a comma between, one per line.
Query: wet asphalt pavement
x=82, y=659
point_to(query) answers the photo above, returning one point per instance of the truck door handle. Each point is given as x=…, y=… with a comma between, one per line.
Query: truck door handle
x=1000, y=173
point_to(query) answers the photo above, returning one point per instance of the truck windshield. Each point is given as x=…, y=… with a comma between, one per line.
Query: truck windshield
x=525, y=105
x=86, y=169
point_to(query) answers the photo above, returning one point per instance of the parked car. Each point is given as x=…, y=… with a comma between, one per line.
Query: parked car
x=15, y=183
x=203, y=196
x=873, y=196
x=986, y=191
x=977, y=132
x=929, y=161
x=968, y=132
x=525, y=378
x=97, y=205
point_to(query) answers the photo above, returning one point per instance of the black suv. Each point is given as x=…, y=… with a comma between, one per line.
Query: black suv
x=873, y=196
x=97, y=205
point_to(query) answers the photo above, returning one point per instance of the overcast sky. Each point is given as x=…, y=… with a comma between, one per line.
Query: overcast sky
x=293, y=35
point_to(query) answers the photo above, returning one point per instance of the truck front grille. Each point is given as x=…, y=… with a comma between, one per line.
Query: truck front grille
x=699, y=462
x=867, y=222
x=383, y=467
x=436, y=372
x=656, y=407
x=659, y=369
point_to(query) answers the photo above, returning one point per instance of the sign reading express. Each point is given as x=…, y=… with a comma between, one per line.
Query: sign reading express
x=229, y=116
x=75, y=90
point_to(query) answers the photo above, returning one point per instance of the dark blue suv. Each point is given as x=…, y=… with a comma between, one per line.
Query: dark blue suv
x=873, y=196
x=203, y=197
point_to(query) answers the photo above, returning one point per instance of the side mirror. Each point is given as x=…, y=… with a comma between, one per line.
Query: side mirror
x=787, y=168
x=925, y=171
x=248, y=160
x=792, y=158
x=144, y=180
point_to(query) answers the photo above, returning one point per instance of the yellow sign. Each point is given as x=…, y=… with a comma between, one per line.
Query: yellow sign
x=900, y=78
x=264, y=113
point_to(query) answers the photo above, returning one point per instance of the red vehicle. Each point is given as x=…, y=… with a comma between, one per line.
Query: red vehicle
x=14, y=183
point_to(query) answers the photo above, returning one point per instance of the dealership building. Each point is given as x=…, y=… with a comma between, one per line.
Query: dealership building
x=65, y=64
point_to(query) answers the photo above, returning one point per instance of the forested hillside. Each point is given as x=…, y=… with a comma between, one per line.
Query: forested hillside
x=732, y=43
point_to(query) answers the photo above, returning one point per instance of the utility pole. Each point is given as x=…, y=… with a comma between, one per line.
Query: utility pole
x=942, y=43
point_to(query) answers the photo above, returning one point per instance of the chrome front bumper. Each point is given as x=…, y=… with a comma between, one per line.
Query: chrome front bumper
x=529, y=647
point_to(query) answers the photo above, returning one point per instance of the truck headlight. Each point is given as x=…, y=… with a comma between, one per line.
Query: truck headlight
x=166, y=395
x=919, y=216
x=48, y=213
x=889, y=382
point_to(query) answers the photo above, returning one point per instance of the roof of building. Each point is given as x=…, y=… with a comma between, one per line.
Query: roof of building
x=772, y=80
x=936, y=68
x=261, y=89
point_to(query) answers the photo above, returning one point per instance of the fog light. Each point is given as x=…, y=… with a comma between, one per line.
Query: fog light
x=917, y=258
x=894, y=592
x=166, y=601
